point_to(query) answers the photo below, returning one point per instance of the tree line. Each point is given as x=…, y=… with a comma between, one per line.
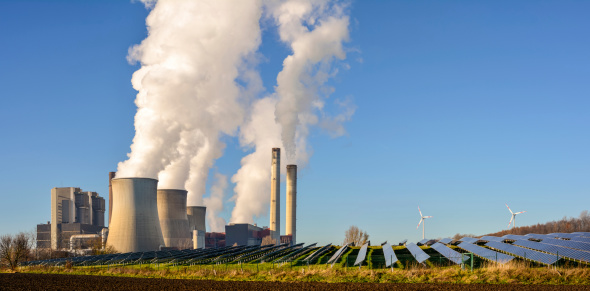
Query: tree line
x=564, y=225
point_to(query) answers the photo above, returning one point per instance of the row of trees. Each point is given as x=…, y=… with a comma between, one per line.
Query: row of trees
x=565, y=225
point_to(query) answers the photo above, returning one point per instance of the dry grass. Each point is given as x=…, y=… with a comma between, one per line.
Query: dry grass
x=491, y=274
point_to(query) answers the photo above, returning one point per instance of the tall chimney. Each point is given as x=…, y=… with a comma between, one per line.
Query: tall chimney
x=291, y=202
x=111, y=176
x=275, y=196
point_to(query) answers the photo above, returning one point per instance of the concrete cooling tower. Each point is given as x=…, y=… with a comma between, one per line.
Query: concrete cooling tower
x=135, y=225
x=173, y=218
x=196, y=224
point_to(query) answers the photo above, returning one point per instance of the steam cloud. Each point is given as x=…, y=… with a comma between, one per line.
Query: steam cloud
x=198, y=82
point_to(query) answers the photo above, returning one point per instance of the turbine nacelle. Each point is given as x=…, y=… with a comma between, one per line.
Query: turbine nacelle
x=513, y=217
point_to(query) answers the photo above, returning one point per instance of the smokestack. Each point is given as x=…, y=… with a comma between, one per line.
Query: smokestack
x=135, y=223
x=111, y=176
x=173, y=218
x=291, y=202
x=275, y=196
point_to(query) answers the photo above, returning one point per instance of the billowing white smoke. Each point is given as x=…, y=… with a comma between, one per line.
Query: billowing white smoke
x=315, y=31
x=214, y=204
x=187, y=91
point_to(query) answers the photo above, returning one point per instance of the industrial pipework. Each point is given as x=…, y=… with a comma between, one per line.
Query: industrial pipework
x=291, y=223
x=135, y=224
x=275, y=196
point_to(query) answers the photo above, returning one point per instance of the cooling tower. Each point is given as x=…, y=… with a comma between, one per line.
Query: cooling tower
x=291, y=222
x=196, y=217
x=135, y=226
x=173, y=219
x=275, y=196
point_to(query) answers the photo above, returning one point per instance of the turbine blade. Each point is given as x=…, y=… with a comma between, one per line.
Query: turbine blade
x=427, y=217
x=511, y=218
x=519, y=212
x=420, y=211
x=419, y=223
x=508, y=208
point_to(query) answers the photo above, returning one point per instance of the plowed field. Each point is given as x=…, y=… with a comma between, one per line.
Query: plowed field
x=22, y=281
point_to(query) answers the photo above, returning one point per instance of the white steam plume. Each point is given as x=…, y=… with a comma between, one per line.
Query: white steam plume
x=214, y=203
x=188, y=96
x=315, y=31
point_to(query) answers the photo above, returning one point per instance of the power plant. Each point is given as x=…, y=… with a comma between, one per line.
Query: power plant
x=173, y=218
x=275, y=196
x=135, y=225
x=145, y=218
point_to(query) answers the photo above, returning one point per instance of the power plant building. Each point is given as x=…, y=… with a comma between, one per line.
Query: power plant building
x=73, y=211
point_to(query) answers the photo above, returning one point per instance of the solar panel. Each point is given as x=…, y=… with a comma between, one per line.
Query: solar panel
x=389, y=255
x=567, y=243
x=486, y=253
x=445, y=241
x=423, y=242
x=448, y=253
x=582, y=233
x=417, y=252
x=337, y=254
x=469, y=240
x=516, y=237
x=403, y=242
x=492, y=238
x=362, y=254
x=538, y=236
x=556, y=250
x=525, y=253
x=564, y=235
x=581, y=239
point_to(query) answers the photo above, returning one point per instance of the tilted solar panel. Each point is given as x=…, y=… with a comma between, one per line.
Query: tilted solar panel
x=516, y=237
x=417, y=252
x=492, y=238
x=447, y=252
x=525, y=253
x=469, y=240
x=403, y=242
x=538, y=236
x=337, y=254
x=422, y=242
x=362, y=254
x=567, y=243
x=556, y=250
x=389, y=255
x=486, y=253
x=564, y=235
x=445, y=241
x=581, y=239
x=582, y=233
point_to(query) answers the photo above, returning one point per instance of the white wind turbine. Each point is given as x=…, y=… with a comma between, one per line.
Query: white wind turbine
x=422, y=217
x=513, y=218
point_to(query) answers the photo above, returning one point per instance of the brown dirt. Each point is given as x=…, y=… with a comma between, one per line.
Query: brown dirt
x=22, y=281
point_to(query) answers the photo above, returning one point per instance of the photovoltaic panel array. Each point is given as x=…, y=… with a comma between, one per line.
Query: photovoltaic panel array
x=389, y=255
x=567, y=243
x=582, y=233
x=538, y=236
x=524, y=253
x=486, y=253
x=417, y=252
x=492, y=238
x=448, y=253
x=403, y=242
x=362, y=254
x=581, y=239
x=469, y=240
x=556, y=250
x=423, y=242
x=515, y=237
x=445, y=241
x=563, y=235
x=337, y=254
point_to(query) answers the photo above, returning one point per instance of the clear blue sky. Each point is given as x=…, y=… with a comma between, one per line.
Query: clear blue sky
x=462, y=106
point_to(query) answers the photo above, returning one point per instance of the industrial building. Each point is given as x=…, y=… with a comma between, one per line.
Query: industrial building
x=73, y=212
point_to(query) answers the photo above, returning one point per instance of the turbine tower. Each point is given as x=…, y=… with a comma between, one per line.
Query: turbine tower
x=422, y=217
x=513, y=218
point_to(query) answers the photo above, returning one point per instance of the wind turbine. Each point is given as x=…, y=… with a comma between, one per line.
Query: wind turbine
x=513, y=218
x=422, y=217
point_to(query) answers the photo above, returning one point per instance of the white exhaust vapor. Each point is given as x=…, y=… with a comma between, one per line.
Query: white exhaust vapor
x=187, y=92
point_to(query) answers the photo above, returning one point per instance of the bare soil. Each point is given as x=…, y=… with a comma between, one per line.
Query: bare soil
x=24, y=281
